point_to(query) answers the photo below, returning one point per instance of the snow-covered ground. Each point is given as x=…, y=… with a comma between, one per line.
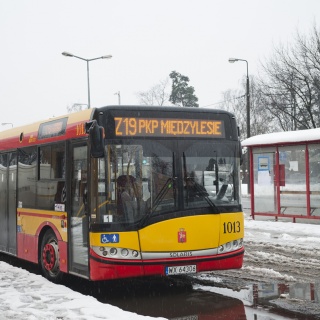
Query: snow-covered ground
x=278, y=255
x=281, y=252
x=27, y=296
x=276, y=252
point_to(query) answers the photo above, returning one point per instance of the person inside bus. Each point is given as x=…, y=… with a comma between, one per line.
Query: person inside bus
x=211, y=165
x=128, y=202
x=194, y=189
x=148, y=201
x=140, y=203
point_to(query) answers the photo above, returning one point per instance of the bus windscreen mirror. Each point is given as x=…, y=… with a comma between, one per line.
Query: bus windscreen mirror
x=96, y=139
x=89, y=124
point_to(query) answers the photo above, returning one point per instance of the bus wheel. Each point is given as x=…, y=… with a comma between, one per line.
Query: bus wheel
x=49, y=257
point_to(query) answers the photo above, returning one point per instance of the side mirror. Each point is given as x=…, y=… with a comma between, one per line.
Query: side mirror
x=96, y=137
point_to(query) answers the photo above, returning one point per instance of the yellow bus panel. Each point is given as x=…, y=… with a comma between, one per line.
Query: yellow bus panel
x=232, y=227
x=201, y=232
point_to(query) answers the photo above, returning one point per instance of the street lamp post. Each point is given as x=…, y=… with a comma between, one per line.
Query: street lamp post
x=118, y=94
x=67, y=54
x=232, y=60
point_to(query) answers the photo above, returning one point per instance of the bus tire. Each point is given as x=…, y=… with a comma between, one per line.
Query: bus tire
x=49, y=257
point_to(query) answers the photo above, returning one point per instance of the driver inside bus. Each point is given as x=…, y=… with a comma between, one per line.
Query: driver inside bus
x=194, y=189
x=128, y=201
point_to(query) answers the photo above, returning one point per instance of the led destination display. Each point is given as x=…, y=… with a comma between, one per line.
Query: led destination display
x=162, y=127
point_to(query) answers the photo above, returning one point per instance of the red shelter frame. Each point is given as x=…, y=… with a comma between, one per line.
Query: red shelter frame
x=285, y=174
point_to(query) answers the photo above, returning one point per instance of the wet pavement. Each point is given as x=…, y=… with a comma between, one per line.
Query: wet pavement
x=184, y=299
x=201, y=298
x=273, y=300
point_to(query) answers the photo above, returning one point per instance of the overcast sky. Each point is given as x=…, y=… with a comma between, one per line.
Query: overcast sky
x=147, y=39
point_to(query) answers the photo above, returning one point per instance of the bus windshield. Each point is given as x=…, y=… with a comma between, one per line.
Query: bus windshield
x=137, y=178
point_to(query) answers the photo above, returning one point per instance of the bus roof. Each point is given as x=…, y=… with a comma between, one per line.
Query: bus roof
x=286, y=137
x=73, y=125
x=164, y=108
x=53, y=129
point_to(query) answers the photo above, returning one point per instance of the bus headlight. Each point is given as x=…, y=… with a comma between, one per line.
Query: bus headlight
x=230, y=246
x=124, y=252
x=113, y=251
x=116, y=253
x=135, y=254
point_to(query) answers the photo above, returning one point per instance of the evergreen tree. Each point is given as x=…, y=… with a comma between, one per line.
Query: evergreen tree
x=182, y=94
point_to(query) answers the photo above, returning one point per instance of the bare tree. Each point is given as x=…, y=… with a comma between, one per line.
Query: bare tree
x=158, y=95
x=290, y=83
x=76, y=107
x=235, y=102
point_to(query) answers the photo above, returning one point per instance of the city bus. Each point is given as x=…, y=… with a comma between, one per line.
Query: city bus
x=123, y=191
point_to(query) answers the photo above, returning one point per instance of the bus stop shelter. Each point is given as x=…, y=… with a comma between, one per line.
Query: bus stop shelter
x=285, y=174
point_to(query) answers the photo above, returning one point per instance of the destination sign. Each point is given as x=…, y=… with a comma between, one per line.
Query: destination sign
x=52, y=129
x=164, y=127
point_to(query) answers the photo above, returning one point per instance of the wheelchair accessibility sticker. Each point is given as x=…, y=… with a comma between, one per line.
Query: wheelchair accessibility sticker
x=110, y=238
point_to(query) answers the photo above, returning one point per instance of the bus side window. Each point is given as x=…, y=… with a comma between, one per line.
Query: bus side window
x=27, y=177
x=51, y=192
x=52, y=157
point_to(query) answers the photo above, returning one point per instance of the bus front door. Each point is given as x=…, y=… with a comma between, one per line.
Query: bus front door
x=78, y=237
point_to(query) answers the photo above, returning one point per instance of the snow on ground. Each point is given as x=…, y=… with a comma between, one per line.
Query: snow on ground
x=283, y=251
x=279, y=252
x=28, y=296
x=275, y=252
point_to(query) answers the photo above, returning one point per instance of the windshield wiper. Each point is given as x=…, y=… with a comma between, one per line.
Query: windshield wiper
x=200, y=192
x=192, y=185
x=170, y=184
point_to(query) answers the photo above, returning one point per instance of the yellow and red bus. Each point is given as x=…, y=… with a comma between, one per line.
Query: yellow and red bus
x=123, y=191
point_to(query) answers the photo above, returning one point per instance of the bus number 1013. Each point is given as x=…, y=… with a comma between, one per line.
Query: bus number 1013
x=231, y=227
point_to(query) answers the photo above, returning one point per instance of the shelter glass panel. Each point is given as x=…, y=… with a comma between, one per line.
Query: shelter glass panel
x=314, y=177
x=263, y=177
x=292, y=165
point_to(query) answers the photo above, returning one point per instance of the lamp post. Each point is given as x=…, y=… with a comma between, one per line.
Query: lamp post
x=118, y=94
x=232, y=60
x=6, y=123
x=67, y=54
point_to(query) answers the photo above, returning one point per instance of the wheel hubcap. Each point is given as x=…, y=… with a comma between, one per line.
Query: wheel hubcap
x=50, y=257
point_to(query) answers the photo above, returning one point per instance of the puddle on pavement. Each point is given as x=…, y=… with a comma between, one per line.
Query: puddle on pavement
x=275, y=301
x=192, y=305
x=199, y=302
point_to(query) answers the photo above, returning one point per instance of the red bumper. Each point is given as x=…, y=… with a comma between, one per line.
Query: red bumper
x=105, y=269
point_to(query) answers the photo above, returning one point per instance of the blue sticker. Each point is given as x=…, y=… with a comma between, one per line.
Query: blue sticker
x=263, y=164
x=110, y=238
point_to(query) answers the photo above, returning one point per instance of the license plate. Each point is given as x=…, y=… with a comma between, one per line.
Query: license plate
x=181, y=269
